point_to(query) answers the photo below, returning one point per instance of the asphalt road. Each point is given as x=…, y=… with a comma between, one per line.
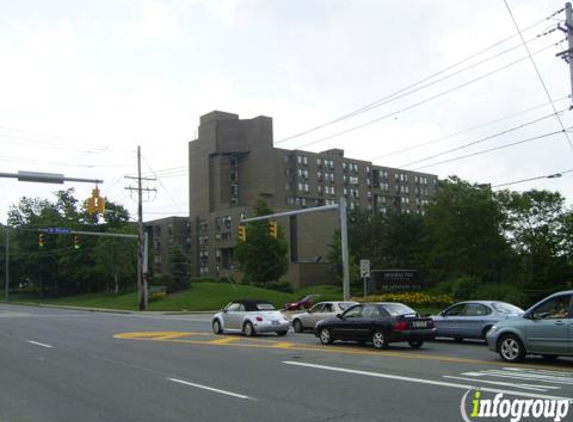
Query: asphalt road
x=62, y=365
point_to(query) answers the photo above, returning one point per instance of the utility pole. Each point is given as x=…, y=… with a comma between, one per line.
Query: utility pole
x=7, y=263
x=567, y=55
x=142, y=291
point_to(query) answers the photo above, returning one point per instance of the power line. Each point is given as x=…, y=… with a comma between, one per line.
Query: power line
x=390, y=97
x=492, y=149
x=487, y=138
x=550, y=176
x=538, y=73
x=421, y=102
x=450, y=135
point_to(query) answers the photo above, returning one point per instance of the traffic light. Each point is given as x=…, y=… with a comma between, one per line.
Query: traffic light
x=242, y=233
x=41, y=240
x=95, y=204
x=77, y=242
x=273, y=228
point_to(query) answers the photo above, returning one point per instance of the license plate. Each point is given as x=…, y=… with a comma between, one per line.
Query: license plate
x=420, y=324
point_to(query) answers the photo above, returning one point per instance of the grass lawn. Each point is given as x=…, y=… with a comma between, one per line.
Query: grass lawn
x=201, y=297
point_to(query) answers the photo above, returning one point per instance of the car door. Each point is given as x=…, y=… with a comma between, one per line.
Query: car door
x=344, y=327
x=474, y=319
x=313, y=315
x=549, y=325
x=325, y=311
x=233, y=316
x=448, y=323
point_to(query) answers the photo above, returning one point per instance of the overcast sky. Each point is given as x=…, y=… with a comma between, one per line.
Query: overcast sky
x=82, y=83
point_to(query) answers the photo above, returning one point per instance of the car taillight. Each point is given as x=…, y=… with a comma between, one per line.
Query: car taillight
x=259, y=318
x=401, y=325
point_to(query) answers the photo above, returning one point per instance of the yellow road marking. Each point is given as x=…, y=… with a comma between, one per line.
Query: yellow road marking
x=283, y=345
x=225, y=340
x=175, y=337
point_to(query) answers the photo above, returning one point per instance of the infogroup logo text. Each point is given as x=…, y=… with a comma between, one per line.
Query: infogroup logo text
x=514, y=409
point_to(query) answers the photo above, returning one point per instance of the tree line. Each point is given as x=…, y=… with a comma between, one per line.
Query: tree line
x=59, y=265
x=472, y=242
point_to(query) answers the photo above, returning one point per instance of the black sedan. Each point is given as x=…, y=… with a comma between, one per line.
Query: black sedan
x=379, y=323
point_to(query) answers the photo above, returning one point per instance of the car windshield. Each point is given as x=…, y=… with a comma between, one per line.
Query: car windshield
x=346, y=305
x=396, y=309
x=265, y=307
x=506, y=308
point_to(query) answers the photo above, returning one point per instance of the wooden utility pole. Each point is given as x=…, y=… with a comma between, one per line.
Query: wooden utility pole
x=142, y=291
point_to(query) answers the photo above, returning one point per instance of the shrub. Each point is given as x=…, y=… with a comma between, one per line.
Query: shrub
x=465, y=287
x=503, y=292
x=171, y=284
x=413, y=299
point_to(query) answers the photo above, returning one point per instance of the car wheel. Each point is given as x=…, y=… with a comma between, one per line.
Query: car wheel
x=325, y=336
x=217, y=327
x=248, y=329
x=282, y=333
x=297, y=325
x=416, y=344
x=379, y=340
x=511, y=348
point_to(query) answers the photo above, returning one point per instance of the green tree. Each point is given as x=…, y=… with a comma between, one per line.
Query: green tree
x=261, y=257
x=179, y=268
x=464, y=233
x=537, y=227
x=116, y=259
x=57, y=268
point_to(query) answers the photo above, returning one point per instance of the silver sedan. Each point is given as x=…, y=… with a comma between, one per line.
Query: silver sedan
x=307, y=320
x=472, y=319
x=250, y=317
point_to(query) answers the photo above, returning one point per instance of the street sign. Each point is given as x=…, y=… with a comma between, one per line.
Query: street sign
x=365, y=268
x=58, y=230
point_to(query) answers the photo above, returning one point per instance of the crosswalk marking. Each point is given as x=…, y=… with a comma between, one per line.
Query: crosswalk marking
x=522, y=378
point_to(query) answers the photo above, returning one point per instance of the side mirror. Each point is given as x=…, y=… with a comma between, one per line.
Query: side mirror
x=528, y=315
x=339, y=316
x=224, y=311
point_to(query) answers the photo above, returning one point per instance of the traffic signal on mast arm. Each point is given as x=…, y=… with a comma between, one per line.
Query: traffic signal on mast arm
x=273, y=228
x=242, y=232
x=77, y=242
x=95, y=204
x=41, y=240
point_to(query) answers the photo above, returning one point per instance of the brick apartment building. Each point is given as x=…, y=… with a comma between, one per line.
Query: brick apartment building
x=233, y=163
x=163, y=234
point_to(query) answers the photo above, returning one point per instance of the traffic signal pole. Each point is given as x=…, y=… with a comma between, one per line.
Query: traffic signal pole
x=341, y=207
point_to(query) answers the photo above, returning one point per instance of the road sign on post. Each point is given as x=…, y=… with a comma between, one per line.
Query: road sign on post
x=365, y=268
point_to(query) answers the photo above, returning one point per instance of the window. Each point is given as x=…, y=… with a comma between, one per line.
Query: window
x=319, y=162
x=353, y=180
x=354, y=312
x=476, y=309
x=454, y=310
x=556, y=308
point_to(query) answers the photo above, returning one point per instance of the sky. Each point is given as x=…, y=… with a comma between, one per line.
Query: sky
x=445, y=87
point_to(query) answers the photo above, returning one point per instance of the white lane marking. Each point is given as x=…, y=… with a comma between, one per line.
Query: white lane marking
x=215, y=390
x=506, y=384
x=427, y=381
x=39, y=344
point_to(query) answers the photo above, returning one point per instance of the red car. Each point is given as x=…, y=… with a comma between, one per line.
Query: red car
x=304, y=303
